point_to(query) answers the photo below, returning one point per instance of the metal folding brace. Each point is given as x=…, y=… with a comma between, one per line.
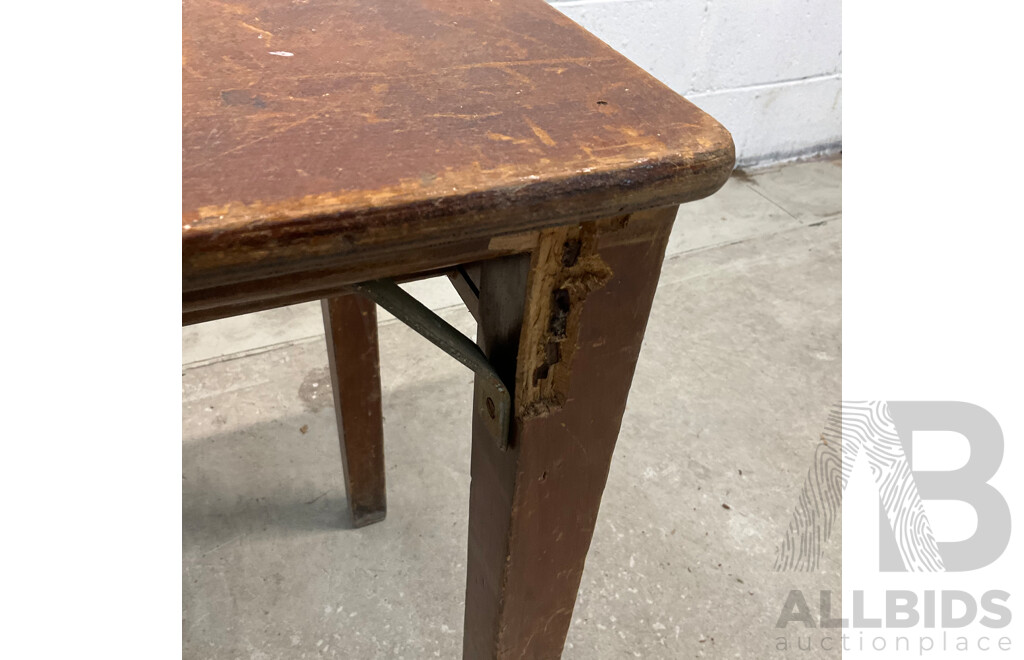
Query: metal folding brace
x=492, y=401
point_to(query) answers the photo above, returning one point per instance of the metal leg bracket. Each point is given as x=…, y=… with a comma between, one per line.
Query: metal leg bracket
x=493, y=403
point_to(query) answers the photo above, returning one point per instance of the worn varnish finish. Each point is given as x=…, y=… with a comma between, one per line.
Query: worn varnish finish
x=328, y=143
x=351, y=325
x=319, y=133
x=286, y=289
x=533, y=508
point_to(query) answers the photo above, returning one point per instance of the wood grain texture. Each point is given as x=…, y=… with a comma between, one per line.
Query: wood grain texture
x=318, y=132
x=351, y=328
x=533, y=508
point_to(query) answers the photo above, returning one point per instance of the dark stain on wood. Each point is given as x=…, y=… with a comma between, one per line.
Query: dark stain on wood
x=241, y=97
x=320, y=132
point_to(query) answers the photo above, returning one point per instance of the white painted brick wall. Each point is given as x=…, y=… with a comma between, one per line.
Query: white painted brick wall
x=769, y=70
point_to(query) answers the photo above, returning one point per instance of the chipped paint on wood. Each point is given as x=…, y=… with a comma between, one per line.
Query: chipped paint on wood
x=533, y=508
x=565, y=269
x=413, y=122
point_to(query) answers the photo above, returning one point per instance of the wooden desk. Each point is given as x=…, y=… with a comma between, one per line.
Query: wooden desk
x=331, y=143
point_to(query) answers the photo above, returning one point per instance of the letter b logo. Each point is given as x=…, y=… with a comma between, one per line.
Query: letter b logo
x=967, y=484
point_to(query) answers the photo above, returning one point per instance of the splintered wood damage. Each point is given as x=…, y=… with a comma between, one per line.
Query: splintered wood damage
x=321, y=136
x=566, y=269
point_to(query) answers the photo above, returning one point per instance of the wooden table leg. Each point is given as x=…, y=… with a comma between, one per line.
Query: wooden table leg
x=566, y=323
x=350, y=322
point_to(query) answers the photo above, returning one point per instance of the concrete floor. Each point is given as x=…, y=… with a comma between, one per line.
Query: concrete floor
x=739, y=367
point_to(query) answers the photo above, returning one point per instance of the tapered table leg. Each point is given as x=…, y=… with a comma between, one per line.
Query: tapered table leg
x=565, y=324
x=350, y=322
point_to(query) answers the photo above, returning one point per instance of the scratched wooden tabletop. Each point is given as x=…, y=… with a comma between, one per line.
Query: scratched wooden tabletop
x=315, y=129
